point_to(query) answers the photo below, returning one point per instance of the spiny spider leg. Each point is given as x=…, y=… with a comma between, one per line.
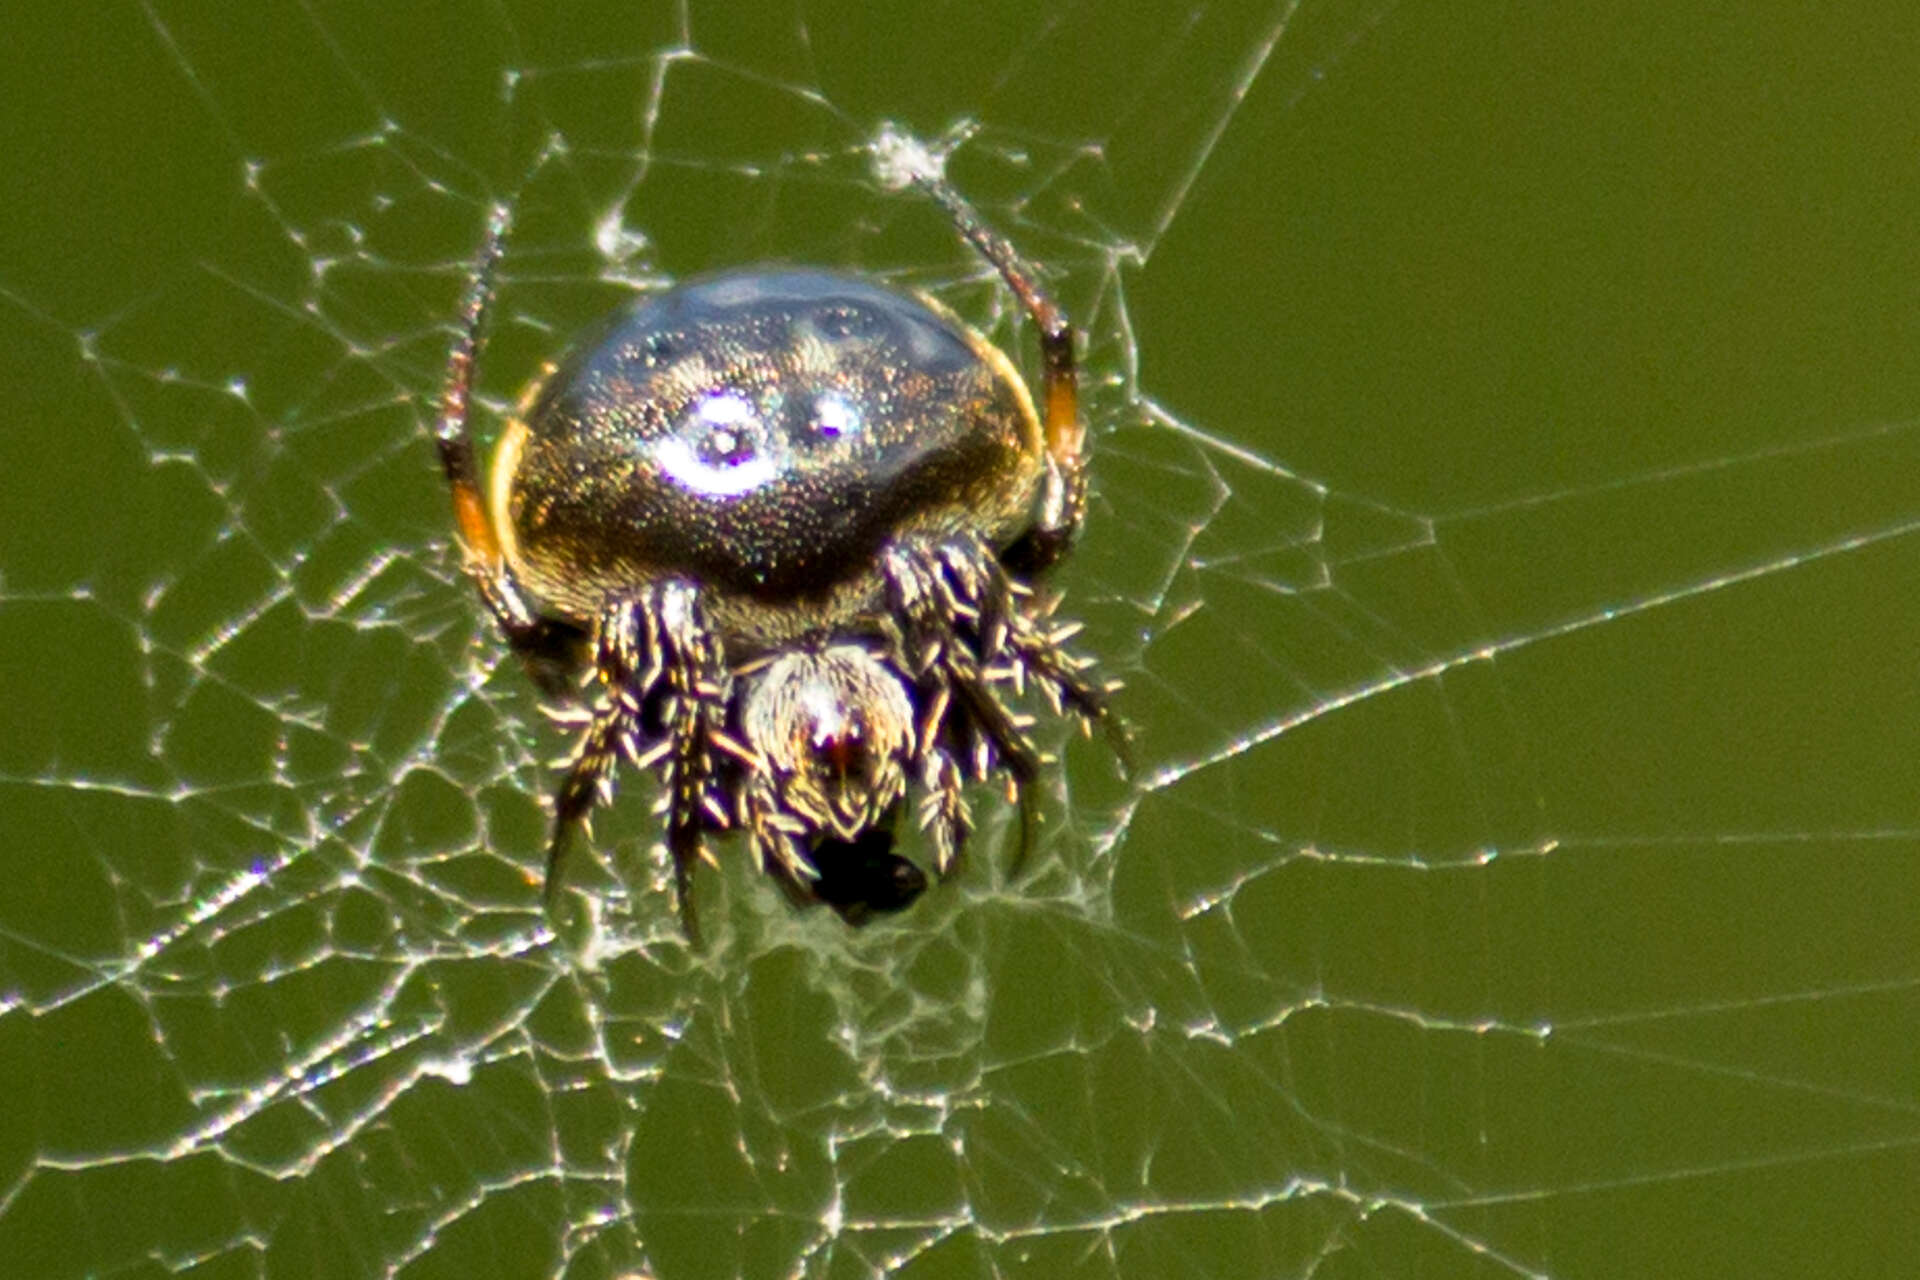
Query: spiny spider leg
x=943, y=808
x=629, y=668
x=665, y=687
x=775, y=835
x=1040, y=654
x=944, y=594
x=588, y=782
x=693, y=711
x=1012, y=640
x=1015, y=644
x=1006, y=735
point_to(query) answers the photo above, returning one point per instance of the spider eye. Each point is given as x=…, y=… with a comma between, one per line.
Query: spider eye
x=843, y=748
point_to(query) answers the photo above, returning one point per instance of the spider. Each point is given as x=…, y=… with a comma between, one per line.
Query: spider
x=772, y=535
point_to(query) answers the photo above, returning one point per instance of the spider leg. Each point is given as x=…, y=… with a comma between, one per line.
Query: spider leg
x=1008, y=617
x=663, y=706
x=1002, y=734
x=693, y=709
x=935, y=593
x=1015, y=643
x=776, y=837
x=966, y=631
x=944, y=814
x=1038, y=652
x=629, y=667
x=589, y=781
x=546, y=646
x=1063, y=491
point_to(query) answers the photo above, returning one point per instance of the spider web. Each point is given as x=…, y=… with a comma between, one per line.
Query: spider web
x=1504, y=524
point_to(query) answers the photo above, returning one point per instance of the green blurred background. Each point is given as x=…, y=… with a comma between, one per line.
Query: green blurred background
x=1507, y=524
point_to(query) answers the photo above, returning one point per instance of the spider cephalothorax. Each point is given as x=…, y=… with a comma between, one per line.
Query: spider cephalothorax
x=770, y=536
x=834, y=730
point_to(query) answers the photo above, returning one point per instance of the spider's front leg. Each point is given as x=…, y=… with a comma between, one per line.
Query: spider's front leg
x=662, y=706
x=1063, y=483
x=548, y=647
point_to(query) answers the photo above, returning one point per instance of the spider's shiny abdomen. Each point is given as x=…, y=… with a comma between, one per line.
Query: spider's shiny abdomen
x=762, y=433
